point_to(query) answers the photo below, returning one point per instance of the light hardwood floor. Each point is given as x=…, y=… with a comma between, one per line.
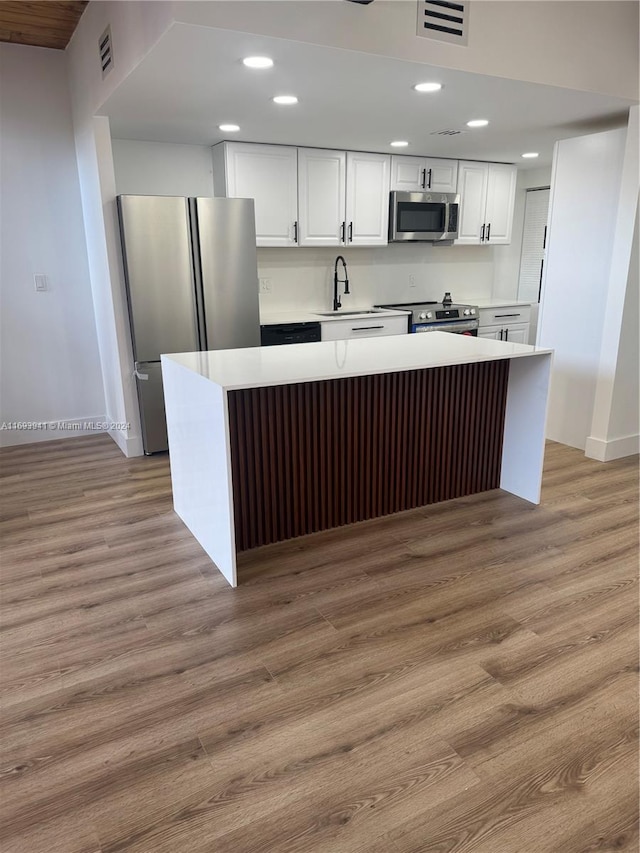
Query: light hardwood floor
x=458, y=678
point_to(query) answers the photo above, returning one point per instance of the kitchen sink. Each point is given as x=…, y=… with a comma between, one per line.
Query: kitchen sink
x=346, y=313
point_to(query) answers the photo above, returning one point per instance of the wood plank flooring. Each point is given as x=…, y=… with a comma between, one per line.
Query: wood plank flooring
x=461, y=678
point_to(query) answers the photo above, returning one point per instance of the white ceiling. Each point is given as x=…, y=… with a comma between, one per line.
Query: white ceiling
x=194, y=80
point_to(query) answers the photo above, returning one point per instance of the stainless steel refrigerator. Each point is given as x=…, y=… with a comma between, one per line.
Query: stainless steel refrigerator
x=192, y=284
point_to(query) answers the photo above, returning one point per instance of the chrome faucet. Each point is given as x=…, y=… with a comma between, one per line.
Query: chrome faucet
x=336, y=298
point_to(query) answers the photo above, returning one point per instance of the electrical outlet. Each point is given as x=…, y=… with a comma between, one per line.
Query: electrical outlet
x=265, y=285
x=41, y=282
x=412, y=281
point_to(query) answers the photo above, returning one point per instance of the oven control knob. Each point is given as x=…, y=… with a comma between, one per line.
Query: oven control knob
x=429, y=315
x=423, y=316
x=466, y=312
x=473, y=311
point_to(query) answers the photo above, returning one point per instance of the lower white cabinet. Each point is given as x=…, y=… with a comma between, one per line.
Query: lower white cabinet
x=518, y=334
x=369, y=327
x=505, y=323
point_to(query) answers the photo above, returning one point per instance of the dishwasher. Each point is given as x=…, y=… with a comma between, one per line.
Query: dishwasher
x=275, y=334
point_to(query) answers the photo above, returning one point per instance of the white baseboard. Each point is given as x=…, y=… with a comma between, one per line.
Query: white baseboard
x=129, y=445
x=615, y=448
x=13, y=433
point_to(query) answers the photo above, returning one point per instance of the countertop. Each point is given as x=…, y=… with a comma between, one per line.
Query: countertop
x=501, y=303
x=256, y=367
x=310, y=317
x=272, y=318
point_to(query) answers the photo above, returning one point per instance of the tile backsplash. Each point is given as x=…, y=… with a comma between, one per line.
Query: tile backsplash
x=302, y=279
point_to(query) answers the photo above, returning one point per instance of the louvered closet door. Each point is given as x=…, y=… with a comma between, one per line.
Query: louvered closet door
x=533, y=244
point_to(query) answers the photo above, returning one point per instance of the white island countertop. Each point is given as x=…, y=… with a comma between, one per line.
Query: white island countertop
x=258, y=367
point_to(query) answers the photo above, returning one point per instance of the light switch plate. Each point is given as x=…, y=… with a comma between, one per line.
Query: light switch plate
x=41, y=282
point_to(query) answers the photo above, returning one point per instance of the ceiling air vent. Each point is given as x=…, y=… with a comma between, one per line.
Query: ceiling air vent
x=445, y=132
x=443, y=21
x=106, y=53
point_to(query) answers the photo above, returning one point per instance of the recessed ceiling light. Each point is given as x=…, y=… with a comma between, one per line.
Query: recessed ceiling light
x=257, y=62
x=229, y=128
x=478, y=122
x=428, y=87
x=399, y=143
x=285, y=99
x=531, y=154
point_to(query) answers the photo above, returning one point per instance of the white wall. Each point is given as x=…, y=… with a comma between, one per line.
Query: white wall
x=302, y=279
x=624, y=421
x=135, y=28
x=98, y=192
x=50, y=367
x=615, y=426
x=585, y=192
x=156, y=168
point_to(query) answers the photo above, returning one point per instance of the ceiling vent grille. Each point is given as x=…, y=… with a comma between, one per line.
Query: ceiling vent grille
x=445, y=132
x=443, y=21
x=106, y=52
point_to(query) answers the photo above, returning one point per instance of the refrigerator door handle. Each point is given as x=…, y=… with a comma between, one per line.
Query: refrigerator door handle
x=137, y=373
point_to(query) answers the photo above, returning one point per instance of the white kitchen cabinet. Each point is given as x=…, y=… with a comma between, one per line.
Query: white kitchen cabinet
x=321, y=197
x=501, y=194
x=487, y=196
x=421, y=174
x=505, y=323
x=269, y=175
x=367, y=199
x=371, y=326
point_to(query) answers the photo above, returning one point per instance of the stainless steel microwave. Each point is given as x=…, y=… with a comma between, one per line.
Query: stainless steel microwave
x=427, y=217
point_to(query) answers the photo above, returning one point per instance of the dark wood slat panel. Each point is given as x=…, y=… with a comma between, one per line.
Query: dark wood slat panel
x=318, y=455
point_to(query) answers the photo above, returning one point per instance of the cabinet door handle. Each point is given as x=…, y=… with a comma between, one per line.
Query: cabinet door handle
x=505, y=315
x=488, y=231
x=506, y=334
x=366, y=328
x=351, y=232
x=482, y=234
x=429, y=181
x=424, y=179
x=295, y=232
x=342, y=231
x=501, y=330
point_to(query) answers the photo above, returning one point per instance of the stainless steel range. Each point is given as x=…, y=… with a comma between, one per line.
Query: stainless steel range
x=439, y=317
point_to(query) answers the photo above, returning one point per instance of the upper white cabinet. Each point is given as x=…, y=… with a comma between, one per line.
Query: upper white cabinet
x=308, y=196
x=487, y=195
x=269, y=175
x=501, y=194
x=343, y=198
x=367, y=208
x=421, y=174
x=321, y=197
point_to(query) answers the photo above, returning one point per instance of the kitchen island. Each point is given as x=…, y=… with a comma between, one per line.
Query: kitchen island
x=272, y=443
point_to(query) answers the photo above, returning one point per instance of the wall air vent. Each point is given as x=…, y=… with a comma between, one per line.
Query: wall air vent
x=106, y=52
x=446, y=132
x=444, y=21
